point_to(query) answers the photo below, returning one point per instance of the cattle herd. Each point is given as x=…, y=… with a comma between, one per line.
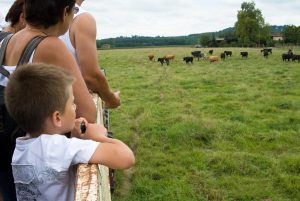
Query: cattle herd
x=289, y=55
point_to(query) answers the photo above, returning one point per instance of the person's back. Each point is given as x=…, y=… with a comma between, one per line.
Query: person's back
x=43, y=161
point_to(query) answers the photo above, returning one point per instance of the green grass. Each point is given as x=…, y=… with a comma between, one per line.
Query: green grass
x=207, y=131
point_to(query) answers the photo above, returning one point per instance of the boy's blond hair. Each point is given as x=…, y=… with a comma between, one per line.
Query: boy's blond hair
x=34, y=92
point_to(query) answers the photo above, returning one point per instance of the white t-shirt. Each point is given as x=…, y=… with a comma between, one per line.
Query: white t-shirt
x=43, y=167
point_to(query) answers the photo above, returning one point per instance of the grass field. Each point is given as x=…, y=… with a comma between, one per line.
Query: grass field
x=228, y=130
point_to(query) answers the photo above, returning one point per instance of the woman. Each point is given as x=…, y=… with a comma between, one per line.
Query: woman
x=50, y=18
x=14, y=20
x=15, y=17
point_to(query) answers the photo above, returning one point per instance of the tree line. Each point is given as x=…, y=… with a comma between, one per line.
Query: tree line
x=142, y=41
x=250, y=30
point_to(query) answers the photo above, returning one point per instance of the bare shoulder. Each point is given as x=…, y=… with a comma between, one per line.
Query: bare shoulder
x=50, y=48
x=86, y=16
x=85, y=21
x=51, y=42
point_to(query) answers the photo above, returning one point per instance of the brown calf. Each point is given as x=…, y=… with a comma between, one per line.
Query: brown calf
x=169, y=57
x=213, y=58
x=151, y=57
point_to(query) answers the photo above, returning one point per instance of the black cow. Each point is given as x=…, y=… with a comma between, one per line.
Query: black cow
x=296, y=57
x=188, y=59
x=167, y=60
x=210, y=52
x=228, y=53
x=222, y=56
x=244, y=54
x=197, y=54
x=266, y=54
x=163, y=60
x=269, y=50
x=287, y=56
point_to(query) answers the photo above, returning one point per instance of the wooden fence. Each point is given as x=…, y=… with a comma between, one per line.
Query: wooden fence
x=93, y=180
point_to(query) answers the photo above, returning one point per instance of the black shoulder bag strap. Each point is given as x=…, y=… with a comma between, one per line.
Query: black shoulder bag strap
x=3, y=71
x=30, y=47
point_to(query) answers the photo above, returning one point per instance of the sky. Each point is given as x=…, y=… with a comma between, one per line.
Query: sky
x=176, y=17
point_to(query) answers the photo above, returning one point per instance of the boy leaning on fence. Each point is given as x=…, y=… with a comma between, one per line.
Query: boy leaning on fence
x=40, y=99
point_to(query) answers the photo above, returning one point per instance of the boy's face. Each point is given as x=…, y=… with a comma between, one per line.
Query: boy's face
x=69, y=115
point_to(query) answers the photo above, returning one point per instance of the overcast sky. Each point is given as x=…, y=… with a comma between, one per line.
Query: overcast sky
x=176, y=17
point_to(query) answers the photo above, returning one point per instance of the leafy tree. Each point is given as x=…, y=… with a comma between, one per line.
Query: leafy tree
x=204, y=40
x=250, y=26
x=98, y=44
x=229, y=37
x=208, y=40
x=213, y=42
x=264, y=35
x=291, y=34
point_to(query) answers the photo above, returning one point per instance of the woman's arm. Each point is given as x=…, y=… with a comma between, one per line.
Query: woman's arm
x=83, y=30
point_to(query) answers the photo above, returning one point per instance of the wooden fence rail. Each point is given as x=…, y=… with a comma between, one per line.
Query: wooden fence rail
x=93, y=180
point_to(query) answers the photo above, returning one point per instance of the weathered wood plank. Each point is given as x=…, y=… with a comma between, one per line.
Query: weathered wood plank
x=93, y=180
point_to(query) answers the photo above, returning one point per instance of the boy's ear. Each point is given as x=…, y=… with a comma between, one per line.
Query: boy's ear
x=56, y=119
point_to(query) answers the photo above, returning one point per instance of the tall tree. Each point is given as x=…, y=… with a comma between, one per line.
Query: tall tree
x=204, y=40
x=250, y=26
x=292, y=34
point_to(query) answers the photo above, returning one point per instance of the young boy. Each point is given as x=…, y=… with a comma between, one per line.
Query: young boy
x=40, y=99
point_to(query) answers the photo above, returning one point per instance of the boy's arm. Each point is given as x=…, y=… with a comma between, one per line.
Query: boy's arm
x=112, y=153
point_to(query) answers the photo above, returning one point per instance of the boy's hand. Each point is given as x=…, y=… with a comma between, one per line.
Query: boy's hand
x=94, y=132
x=77, y=130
